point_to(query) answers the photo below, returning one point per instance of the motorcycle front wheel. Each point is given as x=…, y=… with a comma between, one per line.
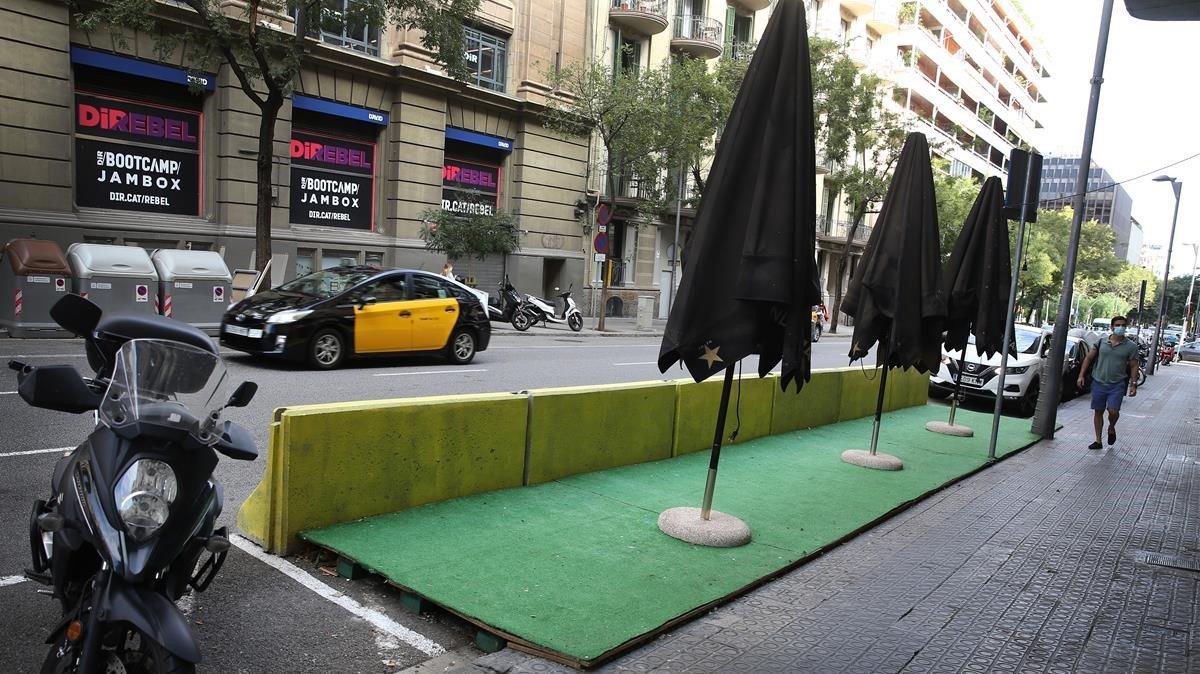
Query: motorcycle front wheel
x=575, y=322
x=520, y=321
x=137, y=654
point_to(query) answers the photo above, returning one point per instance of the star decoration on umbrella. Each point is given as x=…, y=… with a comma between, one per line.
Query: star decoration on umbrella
x=710, y=356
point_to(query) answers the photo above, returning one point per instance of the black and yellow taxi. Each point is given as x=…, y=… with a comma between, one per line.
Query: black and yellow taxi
x=342, y=312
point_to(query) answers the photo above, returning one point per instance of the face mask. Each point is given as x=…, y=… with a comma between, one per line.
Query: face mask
x=1119, y=330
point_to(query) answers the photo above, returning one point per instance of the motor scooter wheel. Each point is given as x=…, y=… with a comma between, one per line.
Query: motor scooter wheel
x=520, y=321
x=138, y=655
x=575, y=322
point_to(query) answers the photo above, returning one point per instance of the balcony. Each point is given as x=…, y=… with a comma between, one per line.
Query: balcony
x=743, y=50
x=754, y=5
x=858, y=7
x=698, y=36
x=648, y=17
x=886, y=17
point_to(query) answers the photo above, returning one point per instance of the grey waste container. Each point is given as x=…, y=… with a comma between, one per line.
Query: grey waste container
x=193, y=286
x=34, y=274
x=118, y=279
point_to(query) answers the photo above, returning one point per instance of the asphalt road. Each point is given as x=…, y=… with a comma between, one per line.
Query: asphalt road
x=255, y=618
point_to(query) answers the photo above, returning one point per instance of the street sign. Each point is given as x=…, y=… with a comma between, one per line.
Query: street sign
x=142, y=293
x=600, y=243
x=602, y=228
x=599, y=257
x=603, y=214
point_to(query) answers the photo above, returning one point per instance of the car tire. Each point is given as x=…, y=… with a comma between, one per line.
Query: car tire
x=327, y=349
x=1028, y=402
x=460, y=350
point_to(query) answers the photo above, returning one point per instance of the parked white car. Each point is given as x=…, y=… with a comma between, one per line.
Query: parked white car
x=980, y=375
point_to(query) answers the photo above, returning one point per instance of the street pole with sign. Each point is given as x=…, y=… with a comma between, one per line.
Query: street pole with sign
x=1159, y=324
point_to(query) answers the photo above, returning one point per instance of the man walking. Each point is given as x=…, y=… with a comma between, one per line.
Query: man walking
x=1116, y=371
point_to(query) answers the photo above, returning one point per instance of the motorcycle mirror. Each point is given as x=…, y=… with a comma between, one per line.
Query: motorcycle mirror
x=76, y=314
x=51, y=522
x=243, y=395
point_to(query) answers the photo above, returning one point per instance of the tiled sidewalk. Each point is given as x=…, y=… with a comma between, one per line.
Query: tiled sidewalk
x=1034, y=565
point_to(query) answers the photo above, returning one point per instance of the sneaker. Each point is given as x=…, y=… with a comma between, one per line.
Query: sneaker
x=1096, y=445
x=1112, y=437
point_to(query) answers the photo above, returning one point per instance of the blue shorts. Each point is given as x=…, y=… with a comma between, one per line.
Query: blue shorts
x=1108, y=396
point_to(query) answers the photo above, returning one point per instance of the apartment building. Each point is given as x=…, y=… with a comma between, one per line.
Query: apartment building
x=372, y=118
x=1105, y=201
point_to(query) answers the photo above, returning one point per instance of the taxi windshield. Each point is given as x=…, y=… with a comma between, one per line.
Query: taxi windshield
x=327, y=282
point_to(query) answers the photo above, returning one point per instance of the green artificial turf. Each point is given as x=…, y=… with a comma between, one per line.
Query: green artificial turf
x=578, y=566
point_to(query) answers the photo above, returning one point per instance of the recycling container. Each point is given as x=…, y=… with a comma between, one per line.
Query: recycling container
x=193, y=286
x=34, y=274
x=118, y=279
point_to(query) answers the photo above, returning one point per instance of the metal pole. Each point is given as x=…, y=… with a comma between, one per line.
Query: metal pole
x=675, y=258
x=1009, y=318
x=1162, y=296
x=879, y=407
x=1141, y=308
x=715, y=457
x=957, y=385
x=1187, y=307
x=1046, y=416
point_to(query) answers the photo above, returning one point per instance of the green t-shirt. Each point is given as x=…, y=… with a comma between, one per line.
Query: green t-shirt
x=1112, y=364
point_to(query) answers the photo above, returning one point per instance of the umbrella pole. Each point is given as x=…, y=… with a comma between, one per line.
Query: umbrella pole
x=957, y=385
x=879, y=408
x=715, y=457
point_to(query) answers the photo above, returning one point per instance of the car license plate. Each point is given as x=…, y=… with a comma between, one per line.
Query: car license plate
x=972, y=381
x=252, y=333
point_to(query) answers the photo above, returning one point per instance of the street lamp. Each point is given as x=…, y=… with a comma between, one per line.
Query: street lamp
x=1176, y=186
x=1189, y=326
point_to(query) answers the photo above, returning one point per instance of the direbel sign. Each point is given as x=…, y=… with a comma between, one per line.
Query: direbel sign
x=469, y=188
x=333, y=181
x=136, y=156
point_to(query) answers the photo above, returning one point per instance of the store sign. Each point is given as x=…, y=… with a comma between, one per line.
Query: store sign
x=469, y=188
x=136, y=156
x=333, y=181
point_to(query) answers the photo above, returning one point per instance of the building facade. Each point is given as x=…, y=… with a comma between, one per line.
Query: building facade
x=1106, y=201
x=104, y=142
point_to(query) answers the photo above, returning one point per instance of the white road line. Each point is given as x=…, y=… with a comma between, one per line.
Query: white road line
x=645, y=362
x=11, y=580
x=48, y=355
x=36, y=451
x=409, y=374
x=378, y=620
x=578, y=346
x=8, y=393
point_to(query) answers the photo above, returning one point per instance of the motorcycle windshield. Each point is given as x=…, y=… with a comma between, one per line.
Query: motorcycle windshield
x=166, y=383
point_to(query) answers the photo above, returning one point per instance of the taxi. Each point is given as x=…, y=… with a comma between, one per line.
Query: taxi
x=334, y=314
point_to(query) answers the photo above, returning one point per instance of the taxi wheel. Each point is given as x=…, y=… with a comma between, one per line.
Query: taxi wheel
x=327, y=349
x=461, y=348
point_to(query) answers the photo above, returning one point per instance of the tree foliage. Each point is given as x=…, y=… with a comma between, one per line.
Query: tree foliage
x=265, y=57
x=955, y=196
x=474, y=235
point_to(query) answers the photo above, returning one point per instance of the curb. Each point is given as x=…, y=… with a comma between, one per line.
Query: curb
x=586, y=333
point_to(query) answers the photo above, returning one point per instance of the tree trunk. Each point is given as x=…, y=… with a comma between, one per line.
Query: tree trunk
x=269, y=113
x=608, y=261
x=843, y=260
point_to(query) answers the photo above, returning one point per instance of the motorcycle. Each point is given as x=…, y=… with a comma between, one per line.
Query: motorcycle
x=133, y=509
x=1166, y=353
x=536, y=310
x=502, y=308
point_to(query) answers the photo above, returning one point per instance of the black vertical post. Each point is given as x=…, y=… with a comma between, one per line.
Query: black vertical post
x=1141, y=307
x=715, y=457
x=879, y=408
x=957, y=385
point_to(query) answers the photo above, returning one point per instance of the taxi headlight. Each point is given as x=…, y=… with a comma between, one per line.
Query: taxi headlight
x=288, y=316
x=144, y=495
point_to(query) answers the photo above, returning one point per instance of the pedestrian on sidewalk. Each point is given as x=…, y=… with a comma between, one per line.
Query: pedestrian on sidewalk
x=1116, y=371
x=448, y=270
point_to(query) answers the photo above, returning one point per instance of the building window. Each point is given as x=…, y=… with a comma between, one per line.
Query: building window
x=628, y=56
x=743, y=28
x=487, y=58
x=304, y=261
x=346, y=27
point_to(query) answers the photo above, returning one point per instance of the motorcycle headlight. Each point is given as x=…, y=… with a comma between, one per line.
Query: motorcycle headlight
x=288, y=316
x=144, y=495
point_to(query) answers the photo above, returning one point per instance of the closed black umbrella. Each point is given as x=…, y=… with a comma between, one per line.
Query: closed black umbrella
x=977, y=285
x=751, y=279
x=896, y=295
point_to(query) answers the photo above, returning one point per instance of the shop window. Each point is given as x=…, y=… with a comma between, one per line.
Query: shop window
x=332, y=175
x=487, y=58
x=345, y=26
x=334, y=258
x=471, y=179
x=374, y=258
x=304, y=261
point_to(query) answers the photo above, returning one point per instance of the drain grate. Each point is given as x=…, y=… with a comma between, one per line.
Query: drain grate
x=1170, y=561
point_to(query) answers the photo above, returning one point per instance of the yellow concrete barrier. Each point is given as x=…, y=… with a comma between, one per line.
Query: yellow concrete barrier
x=340, y=462
x=588, y=428
x=696, y=411
x=334, y=463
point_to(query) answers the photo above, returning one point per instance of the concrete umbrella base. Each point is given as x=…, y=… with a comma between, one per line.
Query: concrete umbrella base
x=879, y=461
x=949, y=429
x=720, y=531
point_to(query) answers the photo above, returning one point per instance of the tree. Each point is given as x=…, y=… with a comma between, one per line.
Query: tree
x=860, y=137
x=474, y=235
x=623, y=109
x=265, y=60
x=1177, y=292
x=1127, y=284
x=955, y=196
x=1046, y=247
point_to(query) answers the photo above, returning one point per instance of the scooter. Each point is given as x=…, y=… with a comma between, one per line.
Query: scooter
x=132, y=510
x=536, y=310
x=1166, y=353
x=502, y=308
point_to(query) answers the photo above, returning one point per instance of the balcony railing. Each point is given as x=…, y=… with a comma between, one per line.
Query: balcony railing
x=699, y=29
x=743, y=50
x=646, y=16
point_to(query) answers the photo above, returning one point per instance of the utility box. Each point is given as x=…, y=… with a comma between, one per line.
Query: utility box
x=118, y=279
x=193, y=286
x=34, y=274
x=645, y=312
